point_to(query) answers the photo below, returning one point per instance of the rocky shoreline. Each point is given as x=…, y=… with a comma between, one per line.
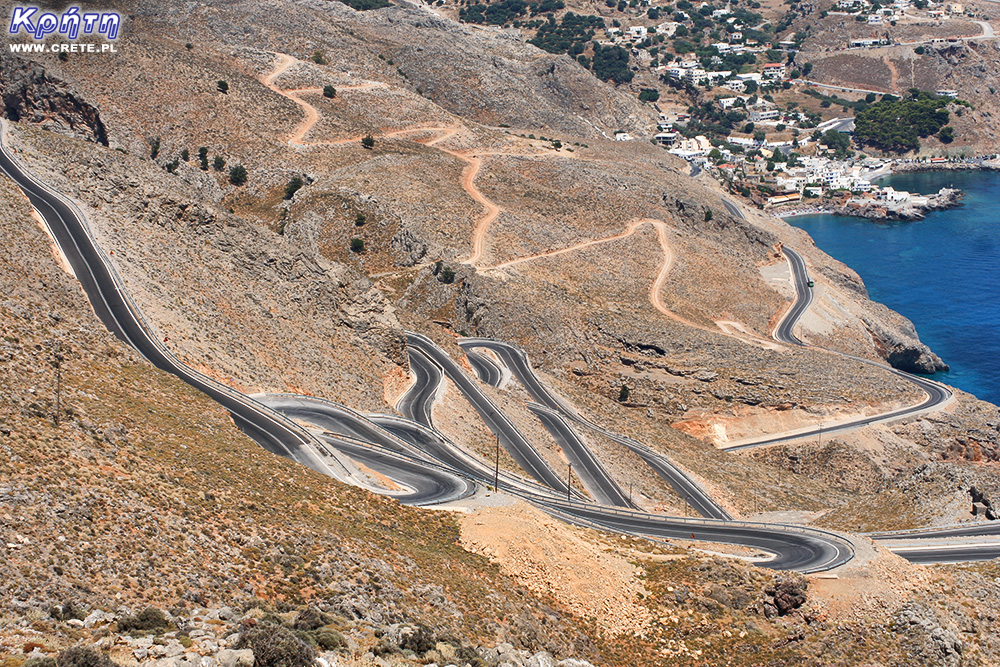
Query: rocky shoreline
x=912, y=209
x=915, y=167
x=883, y=211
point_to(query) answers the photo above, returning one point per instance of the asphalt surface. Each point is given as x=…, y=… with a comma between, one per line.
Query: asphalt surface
x=937, y=393
x=793, y=548
x=598, y=482
x=112, y=304
x=956, y=553
x=511, y=439
x=803, y=299
x=418, y=402
x=517, y=362
x=382, y=443
x=426, y=484
x=733, y=209
x=486, y=369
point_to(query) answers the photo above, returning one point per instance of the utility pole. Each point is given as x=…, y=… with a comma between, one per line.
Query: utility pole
x=496, y=471
x=569, y=482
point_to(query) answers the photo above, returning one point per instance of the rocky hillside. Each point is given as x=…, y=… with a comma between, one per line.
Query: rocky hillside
x=124, y=488
x=488, y=201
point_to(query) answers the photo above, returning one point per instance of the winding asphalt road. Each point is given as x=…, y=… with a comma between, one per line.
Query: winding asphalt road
x=937, y=394
x=804, y=297
x=426, y=484
x=599, y=483
x=114, y=306
x=486, y=369
x=511, y=438
x=365, y=440
x=517, y=362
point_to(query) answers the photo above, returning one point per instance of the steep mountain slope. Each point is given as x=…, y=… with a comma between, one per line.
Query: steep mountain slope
x=634, y=289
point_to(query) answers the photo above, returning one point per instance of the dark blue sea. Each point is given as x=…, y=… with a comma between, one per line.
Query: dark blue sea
x=943, y=272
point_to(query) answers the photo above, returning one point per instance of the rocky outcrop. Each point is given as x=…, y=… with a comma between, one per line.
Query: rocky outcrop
x=930, y=643
x=31, y=94
x=981, y=504
x=908, y=210
x=903, y=350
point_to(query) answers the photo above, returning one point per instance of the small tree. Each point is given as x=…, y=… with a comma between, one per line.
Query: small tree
x=238, y=175
x=222, y=86
x=329, y=91
x=292, y=187
x=357, y=245
x=154, y=148
x=360, y=220
x=203, y=157
x=708, y=214
x=946, y=134
x=219, y=163
x=368, y=141
x=649, y=95
x=623, y=393
x=185, y=155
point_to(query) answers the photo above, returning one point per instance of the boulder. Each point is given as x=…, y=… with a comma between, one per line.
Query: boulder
x=230, y=658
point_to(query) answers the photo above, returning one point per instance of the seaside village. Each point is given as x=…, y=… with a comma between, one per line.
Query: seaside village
x=774, y=156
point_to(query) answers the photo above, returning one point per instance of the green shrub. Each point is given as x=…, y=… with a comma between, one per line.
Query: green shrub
x=150, y=619
x=40, y=662
x=649, y=95
x=83, y=656
x=420, y=640
x=310, y=619
x=329, y=640
x=219, y=163
x=238, y=175
x=275, y=646
x=329, y=91
x=68, y=610
x=357, y=245
x=222, y=86
x=368, y=141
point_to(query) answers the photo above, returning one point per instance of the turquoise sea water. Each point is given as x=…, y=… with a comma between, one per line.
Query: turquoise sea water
x=943, y=272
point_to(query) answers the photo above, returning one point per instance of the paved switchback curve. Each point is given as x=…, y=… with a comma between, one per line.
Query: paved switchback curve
x=114, y=306
x=937, y=394
x=522, y=451
x=793, y=548
x=517, y=362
